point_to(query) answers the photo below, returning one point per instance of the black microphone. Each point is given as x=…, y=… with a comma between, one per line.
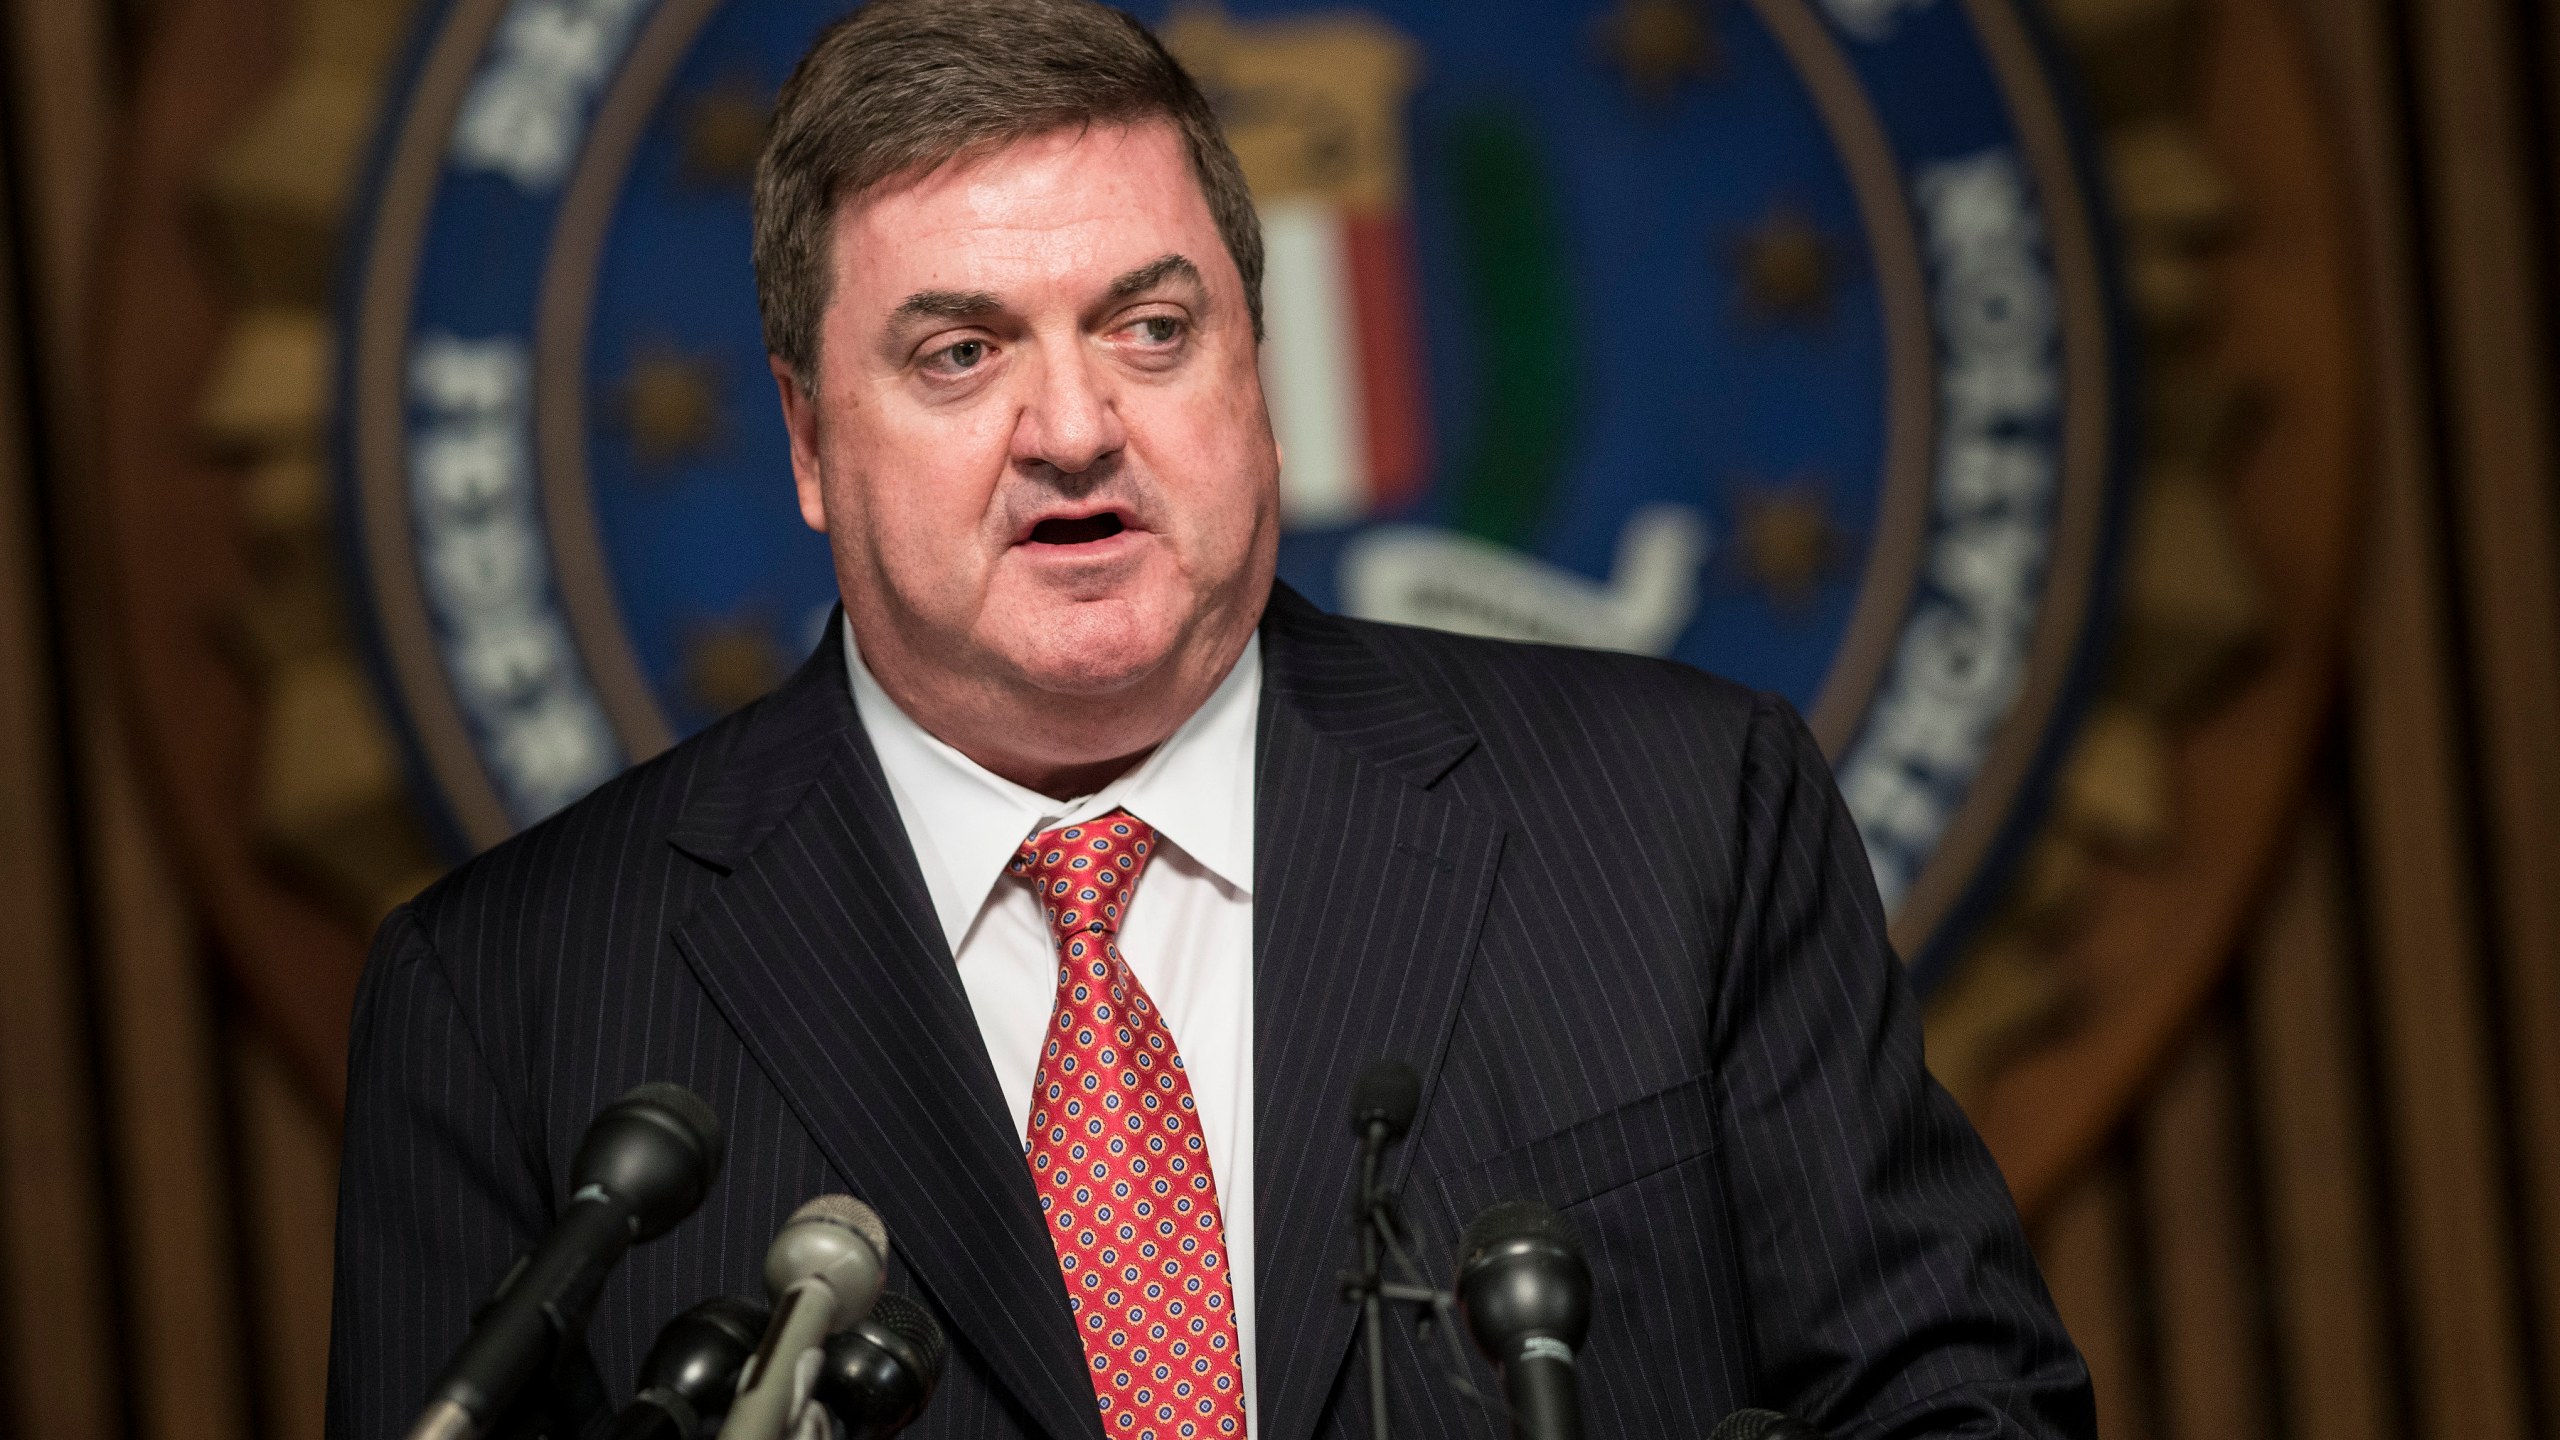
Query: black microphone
x=645, y=1163
x=879, y=1375
x=1526, y=1294
x=1762, y=1425
x=1383, y=1100
x=690, y=1375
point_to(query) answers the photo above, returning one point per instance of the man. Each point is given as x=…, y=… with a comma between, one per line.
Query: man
x=1053, y=905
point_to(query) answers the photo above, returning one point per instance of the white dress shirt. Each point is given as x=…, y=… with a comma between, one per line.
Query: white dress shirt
x=1188, y=935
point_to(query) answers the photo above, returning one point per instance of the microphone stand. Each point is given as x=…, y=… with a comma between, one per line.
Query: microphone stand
x=1366, y=1285
x=1379, y=1230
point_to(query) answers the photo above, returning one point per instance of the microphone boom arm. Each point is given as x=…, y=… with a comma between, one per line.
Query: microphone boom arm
x=1384, y=1100
x=1365, y=1287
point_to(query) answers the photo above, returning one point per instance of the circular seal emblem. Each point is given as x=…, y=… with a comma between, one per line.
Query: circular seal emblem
x=1768, y=335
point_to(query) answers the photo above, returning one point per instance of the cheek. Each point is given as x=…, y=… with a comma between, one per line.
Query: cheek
x=920, y=489
x=1216, y=457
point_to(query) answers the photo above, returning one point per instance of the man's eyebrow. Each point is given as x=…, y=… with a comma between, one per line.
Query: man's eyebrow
x=974, y=304
x=1154, y=273
x=945, y=305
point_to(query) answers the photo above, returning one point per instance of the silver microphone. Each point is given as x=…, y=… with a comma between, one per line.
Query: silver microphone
x=824, y=1270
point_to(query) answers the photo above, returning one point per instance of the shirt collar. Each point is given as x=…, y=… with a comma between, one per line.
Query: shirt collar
x=965, y=821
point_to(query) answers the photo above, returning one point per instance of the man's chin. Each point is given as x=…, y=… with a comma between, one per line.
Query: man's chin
x=1091, y=648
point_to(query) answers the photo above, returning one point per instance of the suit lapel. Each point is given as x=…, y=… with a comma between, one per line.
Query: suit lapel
x=819, y=945
x=1369, y=891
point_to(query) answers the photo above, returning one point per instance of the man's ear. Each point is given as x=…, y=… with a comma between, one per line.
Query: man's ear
x=800, y=418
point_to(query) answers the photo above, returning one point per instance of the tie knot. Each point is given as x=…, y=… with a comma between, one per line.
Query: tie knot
x=1084, y=873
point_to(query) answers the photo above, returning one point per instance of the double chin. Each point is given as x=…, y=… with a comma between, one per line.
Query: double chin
x=1078, y=648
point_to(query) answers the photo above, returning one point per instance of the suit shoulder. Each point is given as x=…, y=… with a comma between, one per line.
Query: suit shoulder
x=564, y=857
x=1508, y=686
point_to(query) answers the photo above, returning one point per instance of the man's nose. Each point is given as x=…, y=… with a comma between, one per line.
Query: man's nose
x=1072, y=419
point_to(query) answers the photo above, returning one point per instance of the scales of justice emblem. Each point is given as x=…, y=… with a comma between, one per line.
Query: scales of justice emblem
x=1771, y=336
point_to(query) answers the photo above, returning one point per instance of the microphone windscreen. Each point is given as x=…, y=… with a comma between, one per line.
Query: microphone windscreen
x=1762, y=1425
x=688, y=1110
x=698, y=1355
x=655, y=1149
x=1386, y=1092
x=911, y=1322
x=1516, y=1220
x=850, y=1213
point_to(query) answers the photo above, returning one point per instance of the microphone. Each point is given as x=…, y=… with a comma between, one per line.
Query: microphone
x=824, y=1271
x=691, y=1373
x=645, y=1163
x=1383, y=1100
x=879, y=1374
x=1526, y=1293
x=1762, y=1425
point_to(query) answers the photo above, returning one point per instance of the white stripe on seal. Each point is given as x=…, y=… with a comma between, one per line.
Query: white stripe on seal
x=1311, y=364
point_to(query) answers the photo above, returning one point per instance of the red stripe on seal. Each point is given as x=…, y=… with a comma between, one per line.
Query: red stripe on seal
x=1387, y=318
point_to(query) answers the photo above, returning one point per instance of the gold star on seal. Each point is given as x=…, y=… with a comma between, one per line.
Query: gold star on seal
x=1789, y=267
x=1660, y=44
x=1788, y=543
x=731, y=661
x=669, y=405
x=724, y=133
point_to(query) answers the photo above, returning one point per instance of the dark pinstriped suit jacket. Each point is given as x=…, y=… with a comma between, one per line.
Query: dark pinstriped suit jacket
x=1610, y=908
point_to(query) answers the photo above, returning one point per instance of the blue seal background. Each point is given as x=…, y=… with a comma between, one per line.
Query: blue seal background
x=1682, y=394
x=1678, y=391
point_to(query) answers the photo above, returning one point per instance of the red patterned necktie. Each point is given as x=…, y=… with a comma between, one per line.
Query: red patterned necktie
x=1117, y=1157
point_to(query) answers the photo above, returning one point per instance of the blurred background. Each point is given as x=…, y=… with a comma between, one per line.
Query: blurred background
x=2192, y=360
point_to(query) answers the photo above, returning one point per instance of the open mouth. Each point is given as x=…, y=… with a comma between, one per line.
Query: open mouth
x=1079, y=530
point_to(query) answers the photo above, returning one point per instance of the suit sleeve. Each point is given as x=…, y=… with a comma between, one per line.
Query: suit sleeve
x=437, y=1191
x=1892, y=1290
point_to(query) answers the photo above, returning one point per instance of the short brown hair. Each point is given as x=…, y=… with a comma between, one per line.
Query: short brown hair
x=901, y=86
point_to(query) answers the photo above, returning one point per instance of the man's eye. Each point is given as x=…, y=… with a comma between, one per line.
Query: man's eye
x=1159, y=329
x=963, y=356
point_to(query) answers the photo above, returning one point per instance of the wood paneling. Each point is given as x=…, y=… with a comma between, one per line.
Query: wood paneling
x=182, y=1353
x=2445, y=1161
x=2315, y=1150
x=2430, y=995
x=2204, y=1252
x=201, y=71
x=2493, y=290
x=53, y=1271
x=2085, y=1243
x=289, y=1169
x=65, y=116
x=176, y=1355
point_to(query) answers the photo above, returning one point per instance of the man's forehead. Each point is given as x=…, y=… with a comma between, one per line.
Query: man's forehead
x=1092, y=204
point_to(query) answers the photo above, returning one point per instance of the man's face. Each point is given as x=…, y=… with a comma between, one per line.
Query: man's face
x=1038, y=446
